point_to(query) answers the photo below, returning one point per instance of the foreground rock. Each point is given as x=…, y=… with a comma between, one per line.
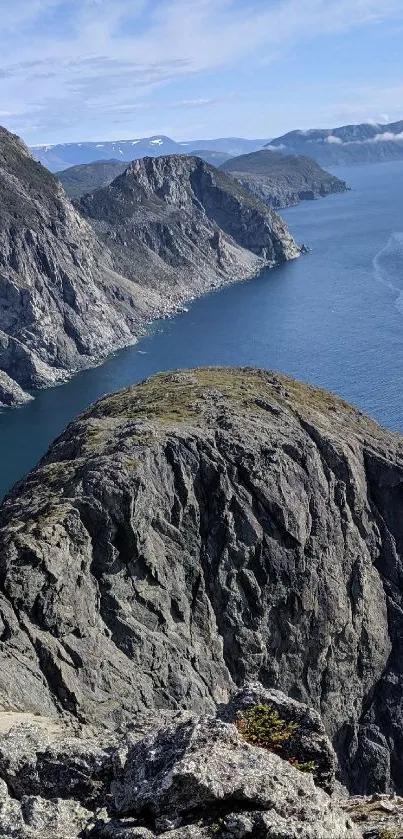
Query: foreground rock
x=205, y=767
x=283, y=180
x=377, y=816
x=67, y=300
x=202, y=528
x=187, y=777
x=309, y=741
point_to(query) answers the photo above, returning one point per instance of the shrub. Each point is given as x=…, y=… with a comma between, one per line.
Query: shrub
x=261, y=725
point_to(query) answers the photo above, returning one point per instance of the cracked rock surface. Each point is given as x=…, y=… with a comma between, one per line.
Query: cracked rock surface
x=202, y=528
x=172, y=775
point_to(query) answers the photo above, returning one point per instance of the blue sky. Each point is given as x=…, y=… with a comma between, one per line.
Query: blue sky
x=74, y=70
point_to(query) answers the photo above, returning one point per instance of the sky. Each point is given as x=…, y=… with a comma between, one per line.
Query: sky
x=76, y=70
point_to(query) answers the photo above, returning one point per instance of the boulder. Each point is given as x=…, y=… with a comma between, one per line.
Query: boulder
x=203, y=770
x=309, y=741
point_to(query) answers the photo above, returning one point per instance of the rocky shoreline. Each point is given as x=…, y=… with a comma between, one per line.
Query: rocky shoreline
x=79, y=282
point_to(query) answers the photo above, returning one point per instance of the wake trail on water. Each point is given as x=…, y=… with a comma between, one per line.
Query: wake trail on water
x=388, y=267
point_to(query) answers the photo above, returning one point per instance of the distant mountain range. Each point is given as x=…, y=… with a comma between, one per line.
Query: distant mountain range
x=214, y=151
x=347, y=145
x=344, y=146
x=277, y=179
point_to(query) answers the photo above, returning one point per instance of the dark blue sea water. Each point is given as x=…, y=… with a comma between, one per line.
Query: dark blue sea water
x=333, y=317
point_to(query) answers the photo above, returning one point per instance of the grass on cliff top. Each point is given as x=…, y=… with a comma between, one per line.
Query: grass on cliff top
x=182, y=397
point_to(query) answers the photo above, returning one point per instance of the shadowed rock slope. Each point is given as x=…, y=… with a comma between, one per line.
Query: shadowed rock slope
x=185, y=226
x=283, y=180
x=202, y=528
x=78, y=180
x=66, y=300
x=62, y=305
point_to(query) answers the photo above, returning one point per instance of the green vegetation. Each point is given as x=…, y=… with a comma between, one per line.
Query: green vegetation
x=261, y=725
x=176, y=397
x=307, y=766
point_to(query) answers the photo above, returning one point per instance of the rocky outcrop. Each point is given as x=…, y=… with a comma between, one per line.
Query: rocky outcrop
x=202, y=528
x=187, y=777
x=283, y=180
x=11, y=393
x=204, y=767
x=187, y=224
x=307, y=743
x=67, y=300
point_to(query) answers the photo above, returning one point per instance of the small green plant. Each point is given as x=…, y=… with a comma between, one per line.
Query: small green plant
x=261, y=725
x=217, y=826
x=308, y=766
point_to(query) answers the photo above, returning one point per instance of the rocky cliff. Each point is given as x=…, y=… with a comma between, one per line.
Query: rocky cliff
x=176, y=223
x=202, y=528
x=283, y=180
x=66, y=300
x=62, y=305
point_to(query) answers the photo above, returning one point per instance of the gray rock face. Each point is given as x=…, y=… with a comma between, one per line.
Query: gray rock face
x=187, y=776
x=180, y=213
x=61, y=304
x=67, y=300
x=203, y=528
x=205, y=767
x=11, y=393
x=283, y=180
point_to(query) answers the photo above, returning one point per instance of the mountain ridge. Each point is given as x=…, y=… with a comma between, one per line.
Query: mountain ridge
x=345, y=145
x=205, y=527
x=283, y=180
x=61, y=156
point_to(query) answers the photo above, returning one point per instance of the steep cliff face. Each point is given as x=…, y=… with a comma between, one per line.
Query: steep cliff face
x=66, y=301
x=200, y=528
x=283, y=180
x=176, y=222
x=62, y=306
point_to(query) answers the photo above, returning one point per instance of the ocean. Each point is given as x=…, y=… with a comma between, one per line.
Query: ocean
x=333, y=317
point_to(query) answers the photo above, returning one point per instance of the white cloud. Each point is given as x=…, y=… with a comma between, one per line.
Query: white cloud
x=77, y=62
x=386, y=137
x=336, y=141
